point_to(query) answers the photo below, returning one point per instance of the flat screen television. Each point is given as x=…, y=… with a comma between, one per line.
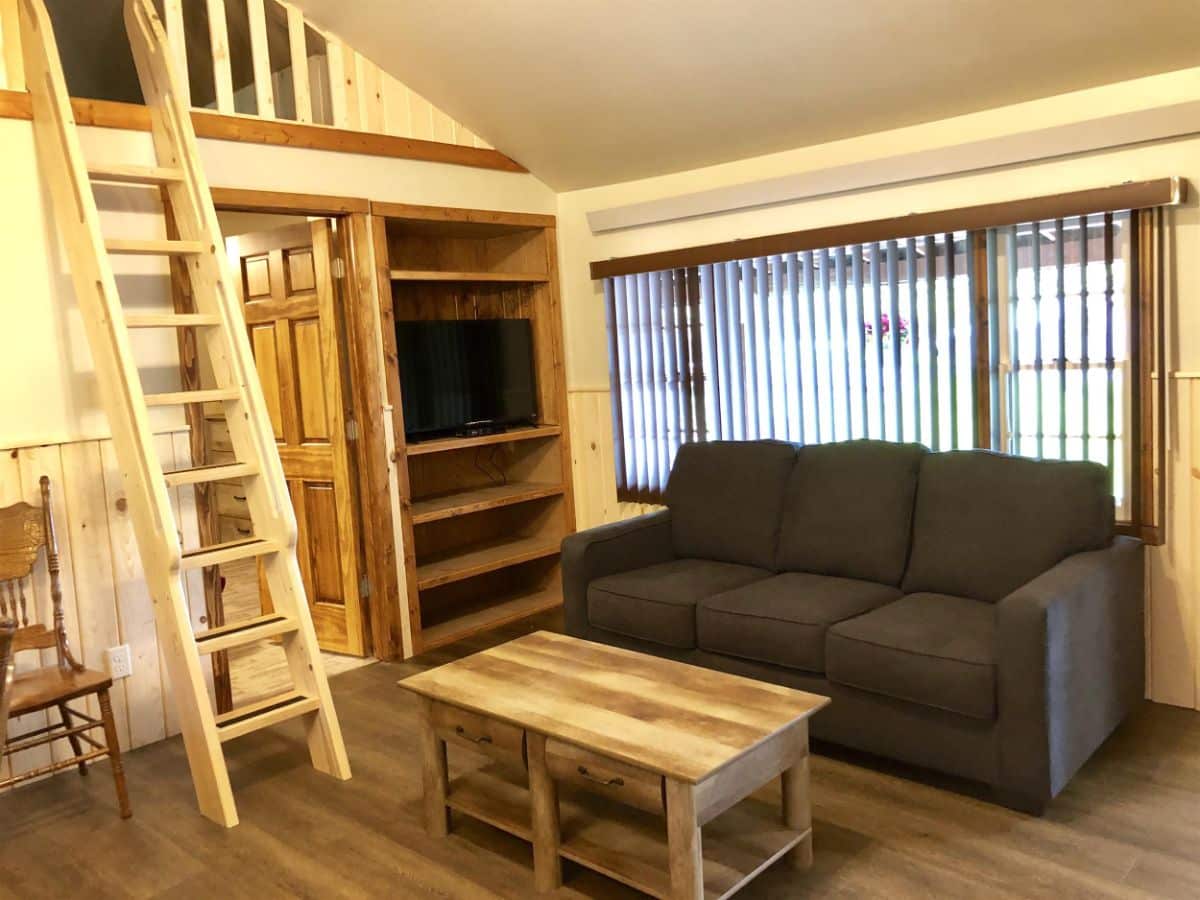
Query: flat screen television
x=466, y=376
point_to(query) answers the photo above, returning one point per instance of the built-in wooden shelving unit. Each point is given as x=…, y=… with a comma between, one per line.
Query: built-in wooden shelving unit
x=483, y=517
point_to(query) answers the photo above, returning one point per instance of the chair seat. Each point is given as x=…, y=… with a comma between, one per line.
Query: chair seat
x=933, y=649
x=658, y=603
x=50, y=686
x=783, y=620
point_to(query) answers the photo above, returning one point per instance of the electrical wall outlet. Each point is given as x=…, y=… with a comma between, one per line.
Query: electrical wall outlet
x=120, y=662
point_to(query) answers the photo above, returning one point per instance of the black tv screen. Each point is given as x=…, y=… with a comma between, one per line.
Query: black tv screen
x=465, y=374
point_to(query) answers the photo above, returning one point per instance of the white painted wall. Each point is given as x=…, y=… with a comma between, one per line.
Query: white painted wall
x=1174, y=619
x=49, y=393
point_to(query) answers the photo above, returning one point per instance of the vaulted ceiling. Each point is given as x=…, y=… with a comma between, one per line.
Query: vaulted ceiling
x=587, y=92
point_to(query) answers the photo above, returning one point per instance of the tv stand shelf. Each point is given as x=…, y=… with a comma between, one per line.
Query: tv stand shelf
x=441, y=445
x=477, y=277
x=473, y=500
x=483, y=557
x=482, y=518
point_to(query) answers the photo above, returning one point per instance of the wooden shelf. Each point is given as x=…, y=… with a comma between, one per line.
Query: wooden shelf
x=473, y=500
x=627, y=844
x=487, y=556
x=441, y=445
x=482, y=618
x=496, y=277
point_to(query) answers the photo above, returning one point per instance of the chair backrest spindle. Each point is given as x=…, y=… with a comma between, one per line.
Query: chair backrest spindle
x=8, y=629
x=24, y=531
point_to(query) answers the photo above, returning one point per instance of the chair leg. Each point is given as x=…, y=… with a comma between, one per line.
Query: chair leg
x=76, y=746
x=114, y=753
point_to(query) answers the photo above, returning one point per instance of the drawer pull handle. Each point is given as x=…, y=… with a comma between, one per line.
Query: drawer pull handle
x=239, y=498
x=483, y=739
x=243, y=531
x=607, y=782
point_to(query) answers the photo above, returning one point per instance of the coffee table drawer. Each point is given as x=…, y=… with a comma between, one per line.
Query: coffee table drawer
x=490, y=736
x=599, y=774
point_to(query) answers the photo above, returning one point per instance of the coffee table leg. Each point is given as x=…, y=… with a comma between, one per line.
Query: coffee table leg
x=797, y=806
x=683, y=842
x=547, y=864
x=433, y=755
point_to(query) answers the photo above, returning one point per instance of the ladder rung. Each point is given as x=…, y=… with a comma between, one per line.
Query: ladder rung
x=242, y=633
x=204, y=474
x=153, y=248
x=170, y=320
x=176, y=398
x=117, y=174
x=246, y=548
x=264, y=714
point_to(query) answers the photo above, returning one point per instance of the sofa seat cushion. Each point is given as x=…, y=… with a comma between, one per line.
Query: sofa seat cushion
x=932, y=649
x=726, y=500
x=784, y=619
x=658, y=603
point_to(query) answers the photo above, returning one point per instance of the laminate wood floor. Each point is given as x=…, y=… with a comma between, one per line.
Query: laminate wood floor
x=1128, y=826
x=261, y=670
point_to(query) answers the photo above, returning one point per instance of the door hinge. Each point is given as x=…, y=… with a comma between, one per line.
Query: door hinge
x=338, y=268
x=352, y=429
x=364, y=587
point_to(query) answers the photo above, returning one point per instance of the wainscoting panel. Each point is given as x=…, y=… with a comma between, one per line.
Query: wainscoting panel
x=105, y=599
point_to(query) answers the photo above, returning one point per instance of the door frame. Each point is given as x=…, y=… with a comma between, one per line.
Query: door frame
x=356, y=298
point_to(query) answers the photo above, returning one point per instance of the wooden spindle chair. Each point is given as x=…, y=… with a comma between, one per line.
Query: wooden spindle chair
x=24, y=531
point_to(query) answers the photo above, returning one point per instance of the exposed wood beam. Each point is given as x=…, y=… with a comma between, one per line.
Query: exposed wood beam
x=252, y=130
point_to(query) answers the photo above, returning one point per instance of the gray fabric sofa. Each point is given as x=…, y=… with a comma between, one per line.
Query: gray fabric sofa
x=968, y=612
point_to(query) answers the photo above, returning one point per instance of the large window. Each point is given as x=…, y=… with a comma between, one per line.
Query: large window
x=1025, y=338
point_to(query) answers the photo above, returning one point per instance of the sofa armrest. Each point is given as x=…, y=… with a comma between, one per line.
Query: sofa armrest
x=1070, y=667
x=606, y=550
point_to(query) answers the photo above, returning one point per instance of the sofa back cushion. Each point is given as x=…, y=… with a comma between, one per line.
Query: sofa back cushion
x=986, y=523
x=848, y=510
x=725, y=499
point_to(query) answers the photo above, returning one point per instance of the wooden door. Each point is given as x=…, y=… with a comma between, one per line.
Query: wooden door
x=287, y=291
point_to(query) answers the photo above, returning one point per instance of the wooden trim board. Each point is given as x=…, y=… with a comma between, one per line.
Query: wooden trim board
x=253, y=130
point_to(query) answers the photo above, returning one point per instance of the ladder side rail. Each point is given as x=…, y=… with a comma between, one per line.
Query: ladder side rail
x=120, y=385
x=250, y=429
x=228, y=347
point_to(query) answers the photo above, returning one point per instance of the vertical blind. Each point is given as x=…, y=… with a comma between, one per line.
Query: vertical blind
x=1067, y=325
x=1015, y=338
x=870, y=340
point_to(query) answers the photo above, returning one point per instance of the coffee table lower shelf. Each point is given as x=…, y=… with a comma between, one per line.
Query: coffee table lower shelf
x=627, y=844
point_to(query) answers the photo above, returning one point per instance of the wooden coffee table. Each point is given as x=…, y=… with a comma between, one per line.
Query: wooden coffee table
x=595, y=746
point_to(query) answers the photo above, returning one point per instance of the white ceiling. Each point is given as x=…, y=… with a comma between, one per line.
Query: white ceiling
x=588, y=92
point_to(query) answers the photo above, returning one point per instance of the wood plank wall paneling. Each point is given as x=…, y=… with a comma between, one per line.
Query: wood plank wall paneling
x=592, y=470
x=1172, y=570
x=104, y=594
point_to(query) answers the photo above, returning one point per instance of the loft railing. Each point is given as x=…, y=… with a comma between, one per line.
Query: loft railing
x=241, y=57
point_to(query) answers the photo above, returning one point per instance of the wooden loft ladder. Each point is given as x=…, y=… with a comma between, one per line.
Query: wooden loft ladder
x=221, y=333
